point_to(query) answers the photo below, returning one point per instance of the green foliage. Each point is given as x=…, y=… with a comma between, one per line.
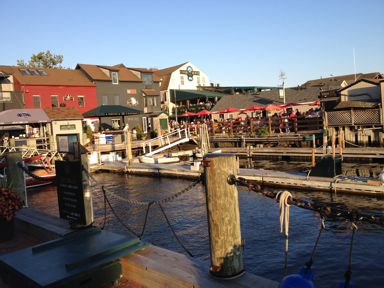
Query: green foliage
x=89, y=132
x=43, y=59
x=263, y=131
x=139, y=132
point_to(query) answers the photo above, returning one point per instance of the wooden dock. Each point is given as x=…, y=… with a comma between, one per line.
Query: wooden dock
x=264, y=177
x=150, y=266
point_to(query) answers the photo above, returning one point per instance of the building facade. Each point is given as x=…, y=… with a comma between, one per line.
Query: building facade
x=186, y=76
x=47, y=88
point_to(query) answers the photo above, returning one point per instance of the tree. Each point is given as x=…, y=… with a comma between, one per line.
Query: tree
x=42, y=59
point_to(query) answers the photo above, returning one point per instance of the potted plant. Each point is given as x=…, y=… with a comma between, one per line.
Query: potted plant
x=10, y=203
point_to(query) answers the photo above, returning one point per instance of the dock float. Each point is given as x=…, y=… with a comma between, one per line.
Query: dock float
x=268, y=178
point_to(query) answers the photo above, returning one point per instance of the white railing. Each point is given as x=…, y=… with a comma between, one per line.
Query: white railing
x=165, y=141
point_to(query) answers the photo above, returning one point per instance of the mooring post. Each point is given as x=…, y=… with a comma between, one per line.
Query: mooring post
x=341, y=143
x=128, y=147
x=223, y=215
x=334, y=144
x=325, y=142
x=313, y=150
x=15, y=175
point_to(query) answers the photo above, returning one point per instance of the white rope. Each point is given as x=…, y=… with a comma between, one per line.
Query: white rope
x=283, y=197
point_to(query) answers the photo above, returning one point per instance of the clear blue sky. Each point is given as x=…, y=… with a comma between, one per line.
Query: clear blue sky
x=236, y=42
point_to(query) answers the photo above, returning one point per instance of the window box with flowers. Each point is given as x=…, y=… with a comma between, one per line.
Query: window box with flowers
x=10, y=203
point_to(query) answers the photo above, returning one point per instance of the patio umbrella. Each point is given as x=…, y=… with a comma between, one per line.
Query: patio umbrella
x=187, y=114
x=229, y=110
x=273, y=107
x=203, y=113
x=254, y=108
x=316, y=103
x=291, y=104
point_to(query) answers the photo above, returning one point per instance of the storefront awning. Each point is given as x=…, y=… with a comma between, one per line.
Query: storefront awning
x=111, y=110
x=23, y=116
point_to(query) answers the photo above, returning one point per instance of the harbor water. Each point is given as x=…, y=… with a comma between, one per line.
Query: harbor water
x=264, y=245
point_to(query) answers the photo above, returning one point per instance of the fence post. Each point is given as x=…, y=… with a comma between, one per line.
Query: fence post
x=223, y=216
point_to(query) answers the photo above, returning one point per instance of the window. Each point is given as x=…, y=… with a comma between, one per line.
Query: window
x=33, y=72
x=145, y=102
x=147, y=79
x=42, y=72
x=154, y=101
x=36, y=101
x=105, y=100
x=182, y=80
x=115, y=77
x=54, y=101
x=115, y=123
x=24, y=72
x=145, y=123
x=150, y=101
x=117, y=100
x=80, y=101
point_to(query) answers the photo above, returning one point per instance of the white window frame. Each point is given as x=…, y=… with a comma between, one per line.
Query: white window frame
x=116, y=121
x=145, y=124
x=115, y=77
x=80, y=97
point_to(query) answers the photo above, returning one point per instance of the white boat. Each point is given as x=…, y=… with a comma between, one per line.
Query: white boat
x=158, y=160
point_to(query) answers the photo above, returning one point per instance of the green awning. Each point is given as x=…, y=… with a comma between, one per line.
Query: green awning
x=111, y=110
x=182, y=95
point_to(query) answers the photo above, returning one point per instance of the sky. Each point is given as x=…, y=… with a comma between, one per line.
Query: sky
x=235, y=42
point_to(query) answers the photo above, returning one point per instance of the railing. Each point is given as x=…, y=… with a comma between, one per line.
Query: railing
x=353, y=117
x=165, y=141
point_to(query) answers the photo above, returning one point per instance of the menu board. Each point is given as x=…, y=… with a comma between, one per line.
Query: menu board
x=70, y=191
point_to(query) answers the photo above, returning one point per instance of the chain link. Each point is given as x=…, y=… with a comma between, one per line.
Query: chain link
x=325, y=210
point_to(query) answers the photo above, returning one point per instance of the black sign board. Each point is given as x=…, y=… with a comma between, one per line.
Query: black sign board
x=70, y=191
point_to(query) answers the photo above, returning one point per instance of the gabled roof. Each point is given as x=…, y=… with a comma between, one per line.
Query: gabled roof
x=169, y=70
x=371, y=81
x=333, y=81
x=96, y=73
x=50, y=77
x=151, y=92
x=66, y=113
x=263, y=98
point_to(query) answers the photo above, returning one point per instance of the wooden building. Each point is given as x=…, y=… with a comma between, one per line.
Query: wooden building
x=357, y=110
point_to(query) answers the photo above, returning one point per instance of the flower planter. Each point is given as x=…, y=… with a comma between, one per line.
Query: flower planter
x=6, y=229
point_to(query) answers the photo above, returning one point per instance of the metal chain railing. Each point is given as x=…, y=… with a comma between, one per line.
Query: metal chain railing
x=324, y=209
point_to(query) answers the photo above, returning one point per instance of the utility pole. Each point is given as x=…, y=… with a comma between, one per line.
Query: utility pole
x=282, y=77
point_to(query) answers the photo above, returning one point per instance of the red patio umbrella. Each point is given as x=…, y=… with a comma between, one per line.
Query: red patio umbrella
x=229, y=110
x=187, y=114
x=203, y=113
x=254, y=108
x=273, y=107
x=316, y=103
x=291, y=104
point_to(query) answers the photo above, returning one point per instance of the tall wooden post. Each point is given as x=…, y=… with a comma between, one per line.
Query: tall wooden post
x=341, y=143
x=325, y=142
x=223, y=216
x=128, y=146
x=334, y=144
x=313, y=150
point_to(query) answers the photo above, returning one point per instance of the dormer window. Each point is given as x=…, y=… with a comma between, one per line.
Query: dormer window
x=115, y=77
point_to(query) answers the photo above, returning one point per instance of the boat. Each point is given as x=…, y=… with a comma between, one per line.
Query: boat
x=44, y=177
x=158, y=160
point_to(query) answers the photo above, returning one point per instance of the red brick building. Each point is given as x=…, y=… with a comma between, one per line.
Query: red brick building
x=46, y=88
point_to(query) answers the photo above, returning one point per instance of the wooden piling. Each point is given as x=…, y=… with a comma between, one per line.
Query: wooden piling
x=341, y=143
x=128, y=147
x=313, y=150
x=325, y=143
x=223, y=216
x=333, y=139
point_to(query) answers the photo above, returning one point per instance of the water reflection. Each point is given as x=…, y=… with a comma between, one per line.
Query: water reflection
x=264, y=248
